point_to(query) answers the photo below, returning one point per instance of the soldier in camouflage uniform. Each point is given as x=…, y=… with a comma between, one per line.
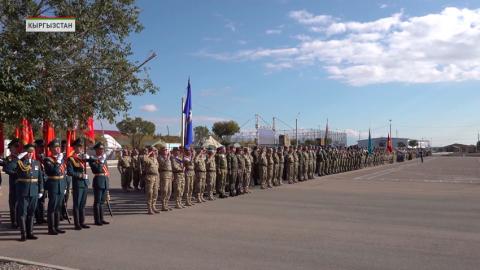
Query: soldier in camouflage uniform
x=269, y=167
x=150, y=164
x=166, y=177
x=135, y=169
x=178, y=177
x=281, y=165
x=211, y=173
x=232, y=162
x=200, y=174
x=301, y=161
x=248, y=170
x=296, y=164
x=125, y=168
x=222, y=166
x=263, y=163
x=275, y=180
x=290, y=164
x=240, y=172
x=190, y=183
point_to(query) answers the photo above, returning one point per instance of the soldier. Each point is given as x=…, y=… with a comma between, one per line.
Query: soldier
x=99, y=167
x=10, y=168
x=68, y=181
x=190, y=184
x=296, y=164
x=263, y=164
x=150, y=167
x=200, y=174
x=275, y=173
x=240, y=172
x=232, y=162
x=211, y=173
x=28, y=188
x=39, y=155
x=136, y=169
x=281, y=162
x=306, y=161
x=125, y=168
x=301, y=161
x=55, y=166
x=248, y=170
x=290, y=163
x=255, y=167
x=178, y=177
x=222, y=167
x=269, y=168
x=141, y=158
x=166, y=176
x=77, y=169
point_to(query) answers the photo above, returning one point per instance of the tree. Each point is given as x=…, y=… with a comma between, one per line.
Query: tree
x=136, y=129
x=412, y=143
x=225, y=129
x=201, y=132
x=401, y=144
x=67, y=77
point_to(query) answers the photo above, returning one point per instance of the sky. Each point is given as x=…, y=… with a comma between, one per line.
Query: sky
x=357, y=63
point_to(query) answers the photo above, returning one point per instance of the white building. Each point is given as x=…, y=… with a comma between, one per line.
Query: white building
x=381, y=142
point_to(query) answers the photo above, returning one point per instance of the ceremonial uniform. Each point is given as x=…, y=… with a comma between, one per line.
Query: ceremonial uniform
x=77, y=169
x=10, y=167
x=166, y=176
x=28, y=188
x=100, y=185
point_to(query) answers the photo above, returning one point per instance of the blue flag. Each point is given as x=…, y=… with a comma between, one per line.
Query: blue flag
x=187, y=110
x=370, y=148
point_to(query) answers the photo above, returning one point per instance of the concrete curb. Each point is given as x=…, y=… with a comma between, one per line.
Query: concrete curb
x=21, y=261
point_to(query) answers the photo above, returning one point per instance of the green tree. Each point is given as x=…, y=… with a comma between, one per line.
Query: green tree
x=201, y=132
x=225, y=129
x=136, y=129
x=68, y=77
x=412, y=143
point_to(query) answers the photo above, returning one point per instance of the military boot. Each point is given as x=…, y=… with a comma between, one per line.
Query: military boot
x=30, y=229
x=50, y=221
x=150, y=210
x=57, y=223
x=96, y=215
x=178, y=204
x=199, y=199
x=100, y=212
x=21, y=224
x=14, y=224
x=154, y=208
x=81, y=213
x=76, y=219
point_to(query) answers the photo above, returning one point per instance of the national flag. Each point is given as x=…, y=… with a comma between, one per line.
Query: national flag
x=187, y=110
x=370, y=148
x=71, y=134
x=90, y=132
x=389, y=144
x=48, y=136
x=24, y=133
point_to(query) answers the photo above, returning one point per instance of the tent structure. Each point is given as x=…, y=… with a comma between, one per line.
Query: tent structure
x=209, y=142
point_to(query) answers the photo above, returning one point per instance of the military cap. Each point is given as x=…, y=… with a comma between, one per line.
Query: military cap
x=99, y=145
x=39, y=143
x=175, y=149
x=54, y=143
x=29, y=147
x=211, y=149
x=77, y=142
x=14, y=143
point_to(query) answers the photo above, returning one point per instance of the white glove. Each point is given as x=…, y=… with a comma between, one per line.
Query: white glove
x=60, y=158
x=86, y=156
x=85, y=176
x=40, y=195
x=65, y=192
x=21, y=155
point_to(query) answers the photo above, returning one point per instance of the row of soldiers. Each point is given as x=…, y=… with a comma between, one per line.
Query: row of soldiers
x=193, y=176
x=34, y=176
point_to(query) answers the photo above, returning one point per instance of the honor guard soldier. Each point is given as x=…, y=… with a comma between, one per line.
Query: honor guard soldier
x=55, y=167
x=10, y=167
x=28, y=188
x=40, y=155
x=100, y=185
x=77, y=169
x=68, y=181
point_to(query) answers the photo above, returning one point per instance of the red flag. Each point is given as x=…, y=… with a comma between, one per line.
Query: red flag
x=90, y=132
x=389, y=144
x=71, y=134
x=30, y=136
x=48, y=136
x=24, y=133
x=2, y=140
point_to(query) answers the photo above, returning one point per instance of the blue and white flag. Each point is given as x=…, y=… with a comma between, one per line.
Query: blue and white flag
x=187, y=110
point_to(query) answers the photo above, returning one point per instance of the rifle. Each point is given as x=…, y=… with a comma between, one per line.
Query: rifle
x=66, y=211
x=108, y=204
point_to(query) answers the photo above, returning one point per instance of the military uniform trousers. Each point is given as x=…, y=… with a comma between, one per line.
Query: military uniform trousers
x=151, y=189
x=12, y=200
x=232, y=179
x=165, y=187
x=25, y=206
x=295, y=172
x=263, y=176
x=269, y=176
x=200, y=183
x=221, y=181
x=179, y=178
x=190, y=186
x=290, y=172
x=276, y=174
x=126, y=178
x=211, y=179
x=100, y=189
x=79, y=192
x=247, y=178
x=280, y=174
x=239, y=182
x=56, y=186
x=136, y=178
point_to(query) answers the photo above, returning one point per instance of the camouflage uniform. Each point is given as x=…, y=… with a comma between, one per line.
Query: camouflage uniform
x=281, y=165
x=263, y=163
x=189, y=179
x=248, y=171
x=232, y=162
x=269, y=168
x=179, y=179
x=211, y=176
x=221, y=164
x=151, y=182
x=240, y=173
x=166, y=176
x=200, y=176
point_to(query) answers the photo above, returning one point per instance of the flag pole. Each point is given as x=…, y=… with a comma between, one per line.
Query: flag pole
x=182, y=132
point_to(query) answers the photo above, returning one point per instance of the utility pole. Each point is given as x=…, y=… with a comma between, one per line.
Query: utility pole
x=296, y=129
x=182, y=130
x=168, y=131
x=390, y=120
x=257, y=137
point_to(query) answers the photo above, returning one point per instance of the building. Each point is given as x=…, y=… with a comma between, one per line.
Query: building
x=267, y=136
x=381, y=142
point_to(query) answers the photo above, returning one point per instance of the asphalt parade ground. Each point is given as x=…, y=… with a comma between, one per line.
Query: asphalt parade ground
x=401, y=216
